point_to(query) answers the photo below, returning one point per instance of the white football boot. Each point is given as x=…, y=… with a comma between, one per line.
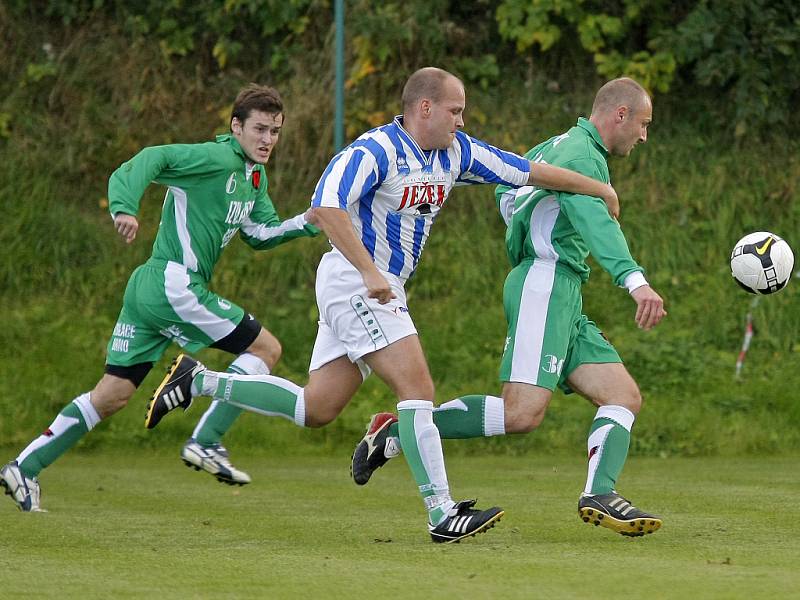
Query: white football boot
x=25, y=492
x=214, y=460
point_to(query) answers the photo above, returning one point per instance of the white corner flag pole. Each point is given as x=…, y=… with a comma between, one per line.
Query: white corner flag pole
x=748, y=336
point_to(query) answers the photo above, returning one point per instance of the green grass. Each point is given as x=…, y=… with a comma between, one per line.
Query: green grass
x=125, y=525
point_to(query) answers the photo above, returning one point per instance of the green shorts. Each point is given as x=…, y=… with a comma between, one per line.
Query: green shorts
x=164, y=303
x=548, y=336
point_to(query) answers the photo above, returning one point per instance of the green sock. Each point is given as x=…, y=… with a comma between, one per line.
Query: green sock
x=217, y=420
x=609, y=439
x=466, y=417
x=422, y=448
x=263, y=394
x=72, y=423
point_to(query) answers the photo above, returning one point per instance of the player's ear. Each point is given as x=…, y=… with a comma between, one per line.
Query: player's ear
x=621, y=114
x=236, y=126
x=425, y=107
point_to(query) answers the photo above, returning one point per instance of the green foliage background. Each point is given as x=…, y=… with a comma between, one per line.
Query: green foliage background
x=85, y=84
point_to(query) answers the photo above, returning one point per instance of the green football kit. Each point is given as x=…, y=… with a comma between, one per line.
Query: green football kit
x=548, y=239
x=214, y=192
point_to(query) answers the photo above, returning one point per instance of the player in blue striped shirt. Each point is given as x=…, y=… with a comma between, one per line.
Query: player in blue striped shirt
x=377, y=201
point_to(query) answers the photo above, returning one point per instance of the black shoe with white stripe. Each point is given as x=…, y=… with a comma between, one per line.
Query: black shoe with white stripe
x=175, y=389
x=374, y=450
x=464, y=521
x=616, y=513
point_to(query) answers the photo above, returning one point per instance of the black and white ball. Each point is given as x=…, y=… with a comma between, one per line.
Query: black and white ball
x=762, y=262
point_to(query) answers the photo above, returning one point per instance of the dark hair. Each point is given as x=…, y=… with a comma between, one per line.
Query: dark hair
x=427, y=83
x=256, y=97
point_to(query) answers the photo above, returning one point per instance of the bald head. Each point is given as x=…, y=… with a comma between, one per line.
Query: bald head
x=622, y=112
x=623, y=91
x=429, y=83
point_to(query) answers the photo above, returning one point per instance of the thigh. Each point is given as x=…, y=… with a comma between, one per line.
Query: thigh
x=330, y=387
x=589, y=346
x=541, y=307
x=402, y=366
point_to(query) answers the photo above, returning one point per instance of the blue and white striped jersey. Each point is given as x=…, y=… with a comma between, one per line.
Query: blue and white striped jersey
x=393, y=190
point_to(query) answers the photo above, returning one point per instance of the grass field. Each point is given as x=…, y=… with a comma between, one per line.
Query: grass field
x=123, y=525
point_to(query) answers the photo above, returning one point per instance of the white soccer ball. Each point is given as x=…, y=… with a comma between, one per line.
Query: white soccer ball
x=762, y=262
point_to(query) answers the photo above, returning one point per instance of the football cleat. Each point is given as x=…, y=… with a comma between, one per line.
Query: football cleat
x=375, y=448
x=464, y=521
x=24, y=491
x=213, y=459
x=174, y=390
x=616, y=513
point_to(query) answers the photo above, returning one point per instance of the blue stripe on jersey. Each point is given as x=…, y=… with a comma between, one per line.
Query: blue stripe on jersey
x=349, y=177
x=365, y=214
x=419, y=229
x=316, y=199
x=367, y=231
x=379, y=152
x=466, y=150
x=444, y=160
x=414, y=270
x=394, y=137
x=515, y=160
x=397, y=259
x=486, y=175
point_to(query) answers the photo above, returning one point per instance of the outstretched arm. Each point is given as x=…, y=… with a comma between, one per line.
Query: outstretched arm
x=563, y=180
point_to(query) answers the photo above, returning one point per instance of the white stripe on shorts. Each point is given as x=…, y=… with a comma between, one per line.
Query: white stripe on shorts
x=531, y=321
x=188, y=308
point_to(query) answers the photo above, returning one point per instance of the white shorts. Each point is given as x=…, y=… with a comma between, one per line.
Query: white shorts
x=350, y=323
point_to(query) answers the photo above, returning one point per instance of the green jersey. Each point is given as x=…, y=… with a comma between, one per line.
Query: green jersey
x=214, y=191
x=563, y=227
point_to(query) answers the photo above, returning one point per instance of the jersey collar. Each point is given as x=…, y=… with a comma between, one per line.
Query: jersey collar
x=589, y=127
x=425, y=157
x=227, y=138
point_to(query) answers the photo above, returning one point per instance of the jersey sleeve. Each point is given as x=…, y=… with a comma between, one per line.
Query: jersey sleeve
x=263, y=229
x=127, y=184
x=602, y=234
x=352, y=174
x=505, y=196
x=483, y=163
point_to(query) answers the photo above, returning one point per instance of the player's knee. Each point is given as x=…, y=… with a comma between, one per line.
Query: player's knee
x=267, y=348
x=524, y=420
x=632, y=400
x=320, y=417
x=270, y=352
x=108, y=402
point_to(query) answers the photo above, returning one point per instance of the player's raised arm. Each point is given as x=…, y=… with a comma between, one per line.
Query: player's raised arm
x=337, y=226
x=563, y=180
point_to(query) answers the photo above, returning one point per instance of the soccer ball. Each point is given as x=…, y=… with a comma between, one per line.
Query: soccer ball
x=762, y=262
